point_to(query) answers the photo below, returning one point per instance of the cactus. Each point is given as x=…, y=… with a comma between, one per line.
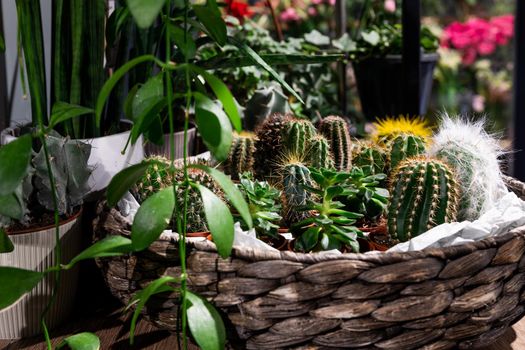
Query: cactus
x=269, y=145
x=473, y=155
x=156, y=177
x=370, y=155
x=297, y=135
x=424, y=194
x=241, y=158
x=335, y=129
x=319, y=155
x=389, y=128
x=295, y=175
x=403, y=147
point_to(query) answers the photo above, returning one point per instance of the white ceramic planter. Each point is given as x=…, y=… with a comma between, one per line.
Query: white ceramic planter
x=164, y=150
x=35, y=251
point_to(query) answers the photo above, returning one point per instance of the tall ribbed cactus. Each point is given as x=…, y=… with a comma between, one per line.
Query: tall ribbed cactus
x=241, y=158
x=295, y=175
x=370, y=155
x=156, y=177
x=319, y=155
x=297, y=135
x=405, y=146
x=269, y=145
x=335, y=129
x=423, y=195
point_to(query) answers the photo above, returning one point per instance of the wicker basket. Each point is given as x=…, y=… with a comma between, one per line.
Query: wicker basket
x=462, y=296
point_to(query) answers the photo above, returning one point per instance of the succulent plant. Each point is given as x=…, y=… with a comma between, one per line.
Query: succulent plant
x=391, y=127
x=424, y=194
x=331, y=227
x=405, y=146
x=335, y=129
x=264, y=204
x=297, y=135
x=241, y=158
x=269, y=145
x=473, y=155
x=318, y=153
x=295, y=178
x=156, y=177
x=369, y=154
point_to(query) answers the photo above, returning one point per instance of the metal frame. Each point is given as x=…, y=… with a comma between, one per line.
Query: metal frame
x=4, y=110
x=411, y=19
x=517, y=128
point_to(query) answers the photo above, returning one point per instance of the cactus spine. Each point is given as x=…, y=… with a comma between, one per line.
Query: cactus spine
x=319, y=155
x=241, y=158
x=269, y=145
x=372, y=156
x=335, y=129
x=423, y=195
x=156, y=177
x=405, y=146
x=297, y=135
x=295, y=175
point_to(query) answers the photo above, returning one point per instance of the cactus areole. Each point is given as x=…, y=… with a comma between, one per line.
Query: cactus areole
x=423, y=195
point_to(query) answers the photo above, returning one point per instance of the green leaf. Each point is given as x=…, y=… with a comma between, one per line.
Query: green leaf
x=14, y=163
x=63, y=111
x=183, y=40
x=214, y=126
x=124, y=179
x=210, y=16
x=273, y=59
x=371, y=37
x=152, y=218
x=260, y=62
x=113, y=80
x=219, y=219
x=109, y=246
x=2, y=43
x=233, y=194
x=145, y=11
x=223, y=94
x=6, y=246
x=128, y=102
x=205, y=323
x=11, y=207
x=157, y=286
x=15, y=282
x=81, y=341
x=317, y=38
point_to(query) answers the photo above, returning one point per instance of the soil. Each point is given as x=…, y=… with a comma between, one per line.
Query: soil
x=40, y=220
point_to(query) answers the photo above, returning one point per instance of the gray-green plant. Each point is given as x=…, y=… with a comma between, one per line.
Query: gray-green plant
x=295, y=179
x=318, y=153
x=405, y=146
x=297, y=135
x=335, y=129
x=369, y=154
x=242, y=155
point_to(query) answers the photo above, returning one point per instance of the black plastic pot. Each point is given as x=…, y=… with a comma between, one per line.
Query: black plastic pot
x=381, y=85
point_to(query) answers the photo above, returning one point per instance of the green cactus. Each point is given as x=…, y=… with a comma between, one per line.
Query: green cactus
x=318, y=154
x=370, y=155
x=269, y=145
x=295, y=176
x=297, y=135
x=241, y=158
x=405, y=146
x=424, y=194
x=156, y=177
x=335, y=129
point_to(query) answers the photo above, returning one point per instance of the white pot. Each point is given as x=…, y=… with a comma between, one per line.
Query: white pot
x=106, y=158
x=164, y=150
x=35, y=251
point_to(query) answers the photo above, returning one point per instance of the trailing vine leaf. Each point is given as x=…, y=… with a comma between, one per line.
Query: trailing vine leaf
x=144, y=120
x=11, y=207
x=210, y=16
x=80, y=341
x=219, y=219
x=149, y=100
x=63, y=111
x=233, y=194
x=214, y=126
x=124, y=179
x=6, y=246
x=223, y=94
x=152, y=218
x=128, y=102
x=108, y=246
x=205, y=323
x=145, y=11
x=14, y=163
x=185, y=43
x=157, y=286
x=15, y=282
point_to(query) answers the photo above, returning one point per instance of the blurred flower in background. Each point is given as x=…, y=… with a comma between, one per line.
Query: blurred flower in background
x=238, y=9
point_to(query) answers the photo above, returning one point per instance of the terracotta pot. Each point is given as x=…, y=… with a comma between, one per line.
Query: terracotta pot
x=377, y=237
x=279, y=242
x=199, y=234
x=282, y=230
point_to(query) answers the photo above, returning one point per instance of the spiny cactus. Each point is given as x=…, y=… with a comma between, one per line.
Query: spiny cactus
x=473, y=155
x=295, y=175
x=403, y=147
x=391, y=127
x=335, y=129
x=424, y=194
x=156, y=177
x=241, y=158
x=319, y=155
x=297, y=135
x=368, y=154
x=269, y=145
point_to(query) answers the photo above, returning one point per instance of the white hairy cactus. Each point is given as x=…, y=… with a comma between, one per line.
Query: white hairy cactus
x=474, y=156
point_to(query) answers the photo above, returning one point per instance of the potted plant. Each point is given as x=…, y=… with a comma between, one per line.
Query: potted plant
x=27, y=219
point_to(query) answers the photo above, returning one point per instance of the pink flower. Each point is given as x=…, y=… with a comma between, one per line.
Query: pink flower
x=390, y=6
x=317, y=2
x=478, y=103
x=289, y=15
x=331, y=2
x=469, y=56
x=486, y=48
x=312, y=11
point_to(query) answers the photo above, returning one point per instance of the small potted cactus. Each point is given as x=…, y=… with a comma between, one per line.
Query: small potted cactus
x=29, y=224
